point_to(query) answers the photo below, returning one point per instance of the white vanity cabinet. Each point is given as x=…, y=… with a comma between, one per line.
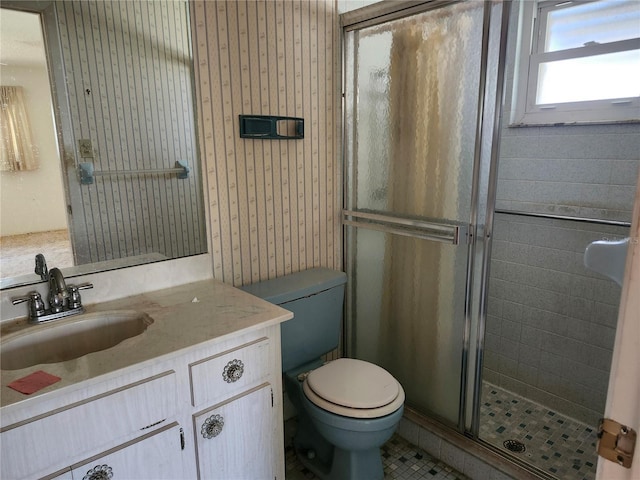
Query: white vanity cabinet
x=237, y=412
x=212, y=411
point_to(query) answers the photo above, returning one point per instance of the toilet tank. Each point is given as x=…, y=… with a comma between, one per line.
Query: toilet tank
x=315, y=297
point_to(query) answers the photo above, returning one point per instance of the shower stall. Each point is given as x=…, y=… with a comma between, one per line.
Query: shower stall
x=464, y=235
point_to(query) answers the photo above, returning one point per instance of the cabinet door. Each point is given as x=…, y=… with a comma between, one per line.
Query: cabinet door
x=155, y=456
x=235, y=439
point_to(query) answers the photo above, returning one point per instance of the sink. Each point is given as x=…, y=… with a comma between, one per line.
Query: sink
x=63, y=340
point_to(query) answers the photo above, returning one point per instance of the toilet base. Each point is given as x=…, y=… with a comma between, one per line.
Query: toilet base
x=344, y=465
x=313, y=451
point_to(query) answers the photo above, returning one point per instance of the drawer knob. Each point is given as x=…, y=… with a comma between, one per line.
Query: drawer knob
x=233, y=371
x=212, y=426
x=99, y=472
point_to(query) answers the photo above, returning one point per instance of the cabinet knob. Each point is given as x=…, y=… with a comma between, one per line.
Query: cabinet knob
x=233, y=371
x=99, y=472
x=212, y=426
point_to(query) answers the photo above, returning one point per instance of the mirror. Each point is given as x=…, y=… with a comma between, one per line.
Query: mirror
x=123, y=186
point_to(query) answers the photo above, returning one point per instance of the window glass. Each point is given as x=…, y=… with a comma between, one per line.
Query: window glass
x=599, y=22
x=613, y=75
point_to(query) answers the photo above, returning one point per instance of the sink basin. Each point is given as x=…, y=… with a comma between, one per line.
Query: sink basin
x=63, y=340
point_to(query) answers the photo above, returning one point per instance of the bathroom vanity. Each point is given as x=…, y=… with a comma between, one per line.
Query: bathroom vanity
x=196, y=394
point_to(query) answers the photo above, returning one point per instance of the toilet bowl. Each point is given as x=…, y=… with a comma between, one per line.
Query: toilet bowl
x=347, y=408
x=354, y=389
x=342, y=427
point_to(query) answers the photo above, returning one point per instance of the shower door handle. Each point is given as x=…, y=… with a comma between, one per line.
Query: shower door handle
x=437, y=231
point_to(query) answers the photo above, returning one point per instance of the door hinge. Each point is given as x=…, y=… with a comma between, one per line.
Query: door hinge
x=181, y=439
x=616, y=442
x=272, y=398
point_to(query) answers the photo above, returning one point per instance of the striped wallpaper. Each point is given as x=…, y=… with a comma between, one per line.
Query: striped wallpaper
x=274, y=204
x=128, y=72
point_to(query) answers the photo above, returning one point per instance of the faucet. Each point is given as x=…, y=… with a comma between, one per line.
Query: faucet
x=41, y=267
x=57, y=290
x=63, y=300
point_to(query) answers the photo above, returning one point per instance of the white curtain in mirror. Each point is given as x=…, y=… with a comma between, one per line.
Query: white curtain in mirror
x=16, y=149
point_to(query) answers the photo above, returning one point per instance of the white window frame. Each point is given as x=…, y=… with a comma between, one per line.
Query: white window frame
x=529, y=55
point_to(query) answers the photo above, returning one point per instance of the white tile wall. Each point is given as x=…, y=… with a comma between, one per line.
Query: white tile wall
x=586, y=171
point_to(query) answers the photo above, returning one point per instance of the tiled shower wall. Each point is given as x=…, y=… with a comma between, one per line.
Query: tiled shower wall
x=578, y=170
x=551, y=322
x=274, y=204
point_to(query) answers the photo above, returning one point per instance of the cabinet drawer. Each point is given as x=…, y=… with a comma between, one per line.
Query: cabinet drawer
x=220, y=376
x=37, y=446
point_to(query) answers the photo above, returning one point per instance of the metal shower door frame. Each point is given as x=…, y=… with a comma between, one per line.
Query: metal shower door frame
x=478, y=232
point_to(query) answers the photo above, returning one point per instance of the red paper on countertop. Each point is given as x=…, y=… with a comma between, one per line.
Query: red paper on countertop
x=33, y=382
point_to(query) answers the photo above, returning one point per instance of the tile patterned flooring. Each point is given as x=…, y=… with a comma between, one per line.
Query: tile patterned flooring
x=554, y=443
x=401, y=461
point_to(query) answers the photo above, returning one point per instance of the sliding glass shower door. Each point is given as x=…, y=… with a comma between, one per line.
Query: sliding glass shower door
x=412, y=90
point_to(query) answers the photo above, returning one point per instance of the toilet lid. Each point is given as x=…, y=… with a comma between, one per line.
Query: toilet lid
x=354, y=388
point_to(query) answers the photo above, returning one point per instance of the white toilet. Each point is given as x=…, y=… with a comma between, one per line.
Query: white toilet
x=347, y=408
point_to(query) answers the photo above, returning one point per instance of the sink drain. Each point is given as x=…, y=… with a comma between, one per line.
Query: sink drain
x=514, y=446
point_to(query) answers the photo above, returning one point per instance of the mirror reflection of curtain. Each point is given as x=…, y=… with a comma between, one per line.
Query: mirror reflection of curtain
x=16, y=148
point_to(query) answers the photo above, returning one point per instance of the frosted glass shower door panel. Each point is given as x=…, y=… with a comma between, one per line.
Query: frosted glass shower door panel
x=414, y=107
x=408, y=296
x=412, y=87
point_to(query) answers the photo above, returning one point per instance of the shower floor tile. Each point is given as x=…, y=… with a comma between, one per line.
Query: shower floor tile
x=553, y=442
x=401, y=461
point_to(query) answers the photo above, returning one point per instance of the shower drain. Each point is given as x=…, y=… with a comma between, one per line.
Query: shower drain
x=514, y=446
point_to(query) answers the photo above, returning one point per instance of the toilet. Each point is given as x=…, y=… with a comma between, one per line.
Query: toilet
x=347, y=408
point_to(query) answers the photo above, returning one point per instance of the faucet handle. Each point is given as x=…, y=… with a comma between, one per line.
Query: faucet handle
x=36, y=305
x=75, y=301
x=41, y=267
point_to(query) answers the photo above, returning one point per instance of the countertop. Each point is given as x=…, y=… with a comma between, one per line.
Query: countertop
x=183, y=317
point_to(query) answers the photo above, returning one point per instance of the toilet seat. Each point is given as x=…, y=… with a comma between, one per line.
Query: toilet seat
x=354, y=388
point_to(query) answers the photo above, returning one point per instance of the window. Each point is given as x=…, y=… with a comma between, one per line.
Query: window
x=16, y=148
x=579, y=62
